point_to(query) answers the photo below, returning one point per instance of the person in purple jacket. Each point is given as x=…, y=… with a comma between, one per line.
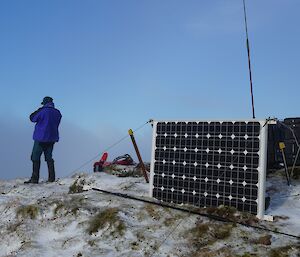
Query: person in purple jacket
x=45, y=135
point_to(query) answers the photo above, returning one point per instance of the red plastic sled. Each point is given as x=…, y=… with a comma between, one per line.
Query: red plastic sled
x=120, y=160
x=98, y=166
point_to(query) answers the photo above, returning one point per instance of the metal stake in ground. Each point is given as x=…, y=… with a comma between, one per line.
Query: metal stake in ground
x=130, y=132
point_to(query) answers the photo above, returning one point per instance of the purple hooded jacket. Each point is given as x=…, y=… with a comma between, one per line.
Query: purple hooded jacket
x=47, y=120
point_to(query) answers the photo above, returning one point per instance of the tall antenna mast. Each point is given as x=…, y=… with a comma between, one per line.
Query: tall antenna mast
x=249, y=61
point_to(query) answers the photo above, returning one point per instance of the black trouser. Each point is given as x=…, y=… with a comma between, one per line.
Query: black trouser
x=42, y=147
x=38, y=149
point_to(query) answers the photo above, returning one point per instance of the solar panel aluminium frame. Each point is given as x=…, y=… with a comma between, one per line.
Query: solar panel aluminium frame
x=262, y=167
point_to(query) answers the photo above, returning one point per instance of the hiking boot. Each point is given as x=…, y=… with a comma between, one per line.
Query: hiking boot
x=30, y=182
x=35, y=173
x=51, y=171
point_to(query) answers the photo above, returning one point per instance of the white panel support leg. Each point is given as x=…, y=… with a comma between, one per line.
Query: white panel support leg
x=262, y=171
x=152, y=157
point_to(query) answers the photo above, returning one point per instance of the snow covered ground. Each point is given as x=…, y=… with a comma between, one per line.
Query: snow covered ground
x=47, y=220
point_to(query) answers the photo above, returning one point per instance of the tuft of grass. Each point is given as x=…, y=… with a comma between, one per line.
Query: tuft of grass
x=200, y=230
x=152, y=211
x=58, y=207
x=247, y=254
x=263, y=240
x=110, y=218
x=13, y=227
x=247, y=218
x=153, y=248
x=285, y=251
x=140, y=236
x=74, y=210
x=171, y=220
x=134, y=246
x=222, y=211
x=91, y=243
x=204, y=234
x=232, y=214
x=280, y=252
x=69, y=206
x=28, y=211
x=199, y=236
x=77, y=186
x=222, y=232
x=206, y=252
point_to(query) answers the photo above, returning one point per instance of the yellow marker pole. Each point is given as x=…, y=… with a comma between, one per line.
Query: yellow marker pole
x=130, y=132
x=282, y=147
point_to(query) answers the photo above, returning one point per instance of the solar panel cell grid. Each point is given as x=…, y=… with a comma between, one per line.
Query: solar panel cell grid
x=207, y=163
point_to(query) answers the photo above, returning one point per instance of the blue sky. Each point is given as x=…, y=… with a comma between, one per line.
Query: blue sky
x=112, y=65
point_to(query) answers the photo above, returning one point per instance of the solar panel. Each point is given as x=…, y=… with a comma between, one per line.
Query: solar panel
x=210, y=163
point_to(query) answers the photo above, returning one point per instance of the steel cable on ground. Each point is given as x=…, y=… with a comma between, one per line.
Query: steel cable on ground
x=106, y=149
x=196, y=212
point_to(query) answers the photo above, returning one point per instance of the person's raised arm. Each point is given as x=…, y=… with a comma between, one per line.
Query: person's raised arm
x=35, y=115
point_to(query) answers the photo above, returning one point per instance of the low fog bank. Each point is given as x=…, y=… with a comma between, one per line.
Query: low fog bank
x=76, y=147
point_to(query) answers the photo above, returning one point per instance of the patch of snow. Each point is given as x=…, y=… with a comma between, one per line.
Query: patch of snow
x=60, y=229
